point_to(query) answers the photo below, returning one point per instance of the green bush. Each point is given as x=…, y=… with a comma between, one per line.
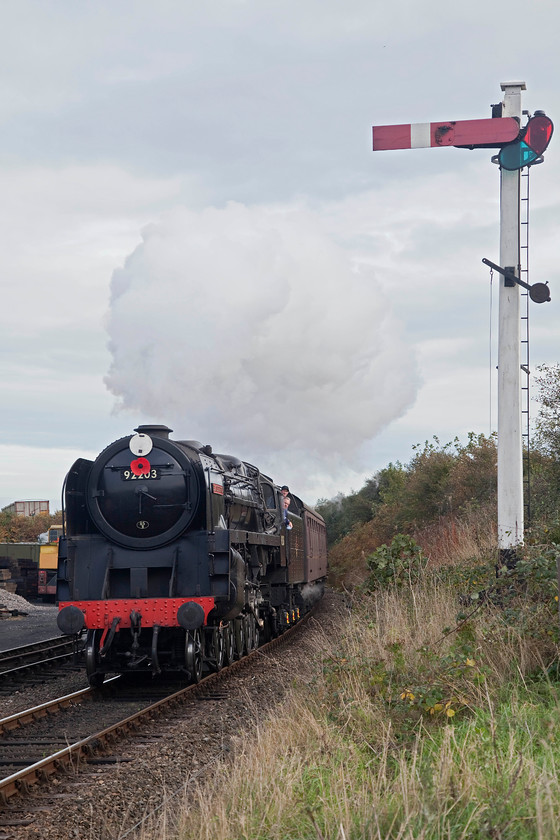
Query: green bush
x=399, y=563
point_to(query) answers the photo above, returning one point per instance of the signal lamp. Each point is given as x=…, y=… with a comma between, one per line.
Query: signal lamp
x=529, y=148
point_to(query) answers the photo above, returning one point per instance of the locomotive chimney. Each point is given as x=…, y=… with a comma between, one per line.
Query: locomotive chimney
x=154, y=431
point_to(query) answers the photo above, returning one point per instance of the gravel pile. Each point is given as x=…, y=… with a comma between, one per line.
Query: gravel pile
x=15, y=602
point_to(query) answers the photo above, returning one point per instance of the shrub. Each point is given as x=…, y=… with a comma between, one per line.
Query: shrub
x=398, y=563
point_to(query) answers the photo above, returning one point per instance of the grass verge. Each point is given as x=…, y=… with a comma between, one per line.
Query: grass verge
x=416, y=725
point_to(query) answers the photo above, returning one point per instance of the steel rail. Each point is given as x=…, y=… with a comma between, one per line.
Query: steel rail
x=17, y=662
x=19, y=670
x=19, y=719
x=34, y=648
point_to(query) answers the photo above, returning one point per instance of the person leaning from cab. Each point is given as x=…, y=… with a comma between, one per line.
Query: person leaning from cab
x=286, y=504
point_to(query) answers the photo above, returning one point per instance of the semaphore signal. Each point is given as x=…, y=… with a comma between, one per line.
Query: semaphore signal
x=519, y=147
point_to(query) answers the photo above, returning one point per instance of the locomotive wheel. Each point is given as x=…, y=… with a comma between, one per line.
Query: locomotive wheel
x=252, y=633
x=216, y=648
x=94, y=675
x=229, y=644
x=240, y=637
x=194, y=654
x=219, y=648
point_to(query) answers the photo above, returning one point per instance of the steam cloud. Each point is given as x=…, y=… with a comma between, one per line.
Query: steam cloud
x=251, y=329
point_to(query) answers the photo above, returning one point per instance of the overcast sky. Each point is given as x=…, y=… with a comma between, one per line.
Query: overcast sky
x=195, y=231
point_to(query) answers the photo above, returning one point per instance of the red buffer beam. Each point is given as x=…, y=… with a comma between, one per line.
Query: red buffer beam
x=485, y=133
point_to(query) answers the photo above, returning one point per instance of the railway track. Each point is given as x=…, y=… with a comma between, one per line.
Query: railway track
x=35, y=746
x=37, y=662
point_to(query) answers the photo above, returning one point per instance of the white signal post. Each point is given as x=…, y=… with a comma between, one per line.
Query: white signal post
x=498, y=133
x=510, y=446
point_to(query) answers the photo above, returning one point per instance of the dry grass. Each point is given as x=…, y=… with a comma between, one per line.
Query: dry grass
x=448, y=541
x=457, y=542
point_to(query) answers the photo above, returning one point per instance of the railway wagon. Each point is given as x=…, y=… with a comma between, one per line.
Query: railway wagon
x=48, y=564
x=176, y=558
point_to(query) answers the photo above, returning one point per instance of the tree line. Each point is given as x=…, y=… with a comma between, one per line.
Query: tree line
x=26, y=528
x=449, y=481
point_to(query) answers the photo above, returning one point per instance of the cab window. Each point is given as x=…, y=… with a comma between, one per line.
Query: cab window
x=269, y=498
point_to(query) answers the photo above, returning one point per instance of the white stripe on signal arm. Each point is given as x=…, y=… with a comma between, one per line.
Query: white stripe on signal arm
x=420, y=136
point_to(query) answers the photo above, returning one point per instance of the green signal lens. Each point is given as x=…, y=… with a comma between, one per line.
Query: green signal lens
x=516, y=156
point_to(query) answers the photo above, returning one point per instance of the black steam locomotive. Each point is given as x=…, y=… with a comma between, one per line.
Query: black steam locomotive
x=177, y=559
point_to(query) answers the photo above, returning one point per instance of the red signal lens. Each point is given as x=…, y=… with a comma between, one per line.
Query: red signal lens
x=538, y=133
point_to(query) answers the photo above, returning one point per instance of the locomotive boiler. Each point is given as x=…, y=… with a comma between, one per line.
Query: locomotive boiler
x=178, y=559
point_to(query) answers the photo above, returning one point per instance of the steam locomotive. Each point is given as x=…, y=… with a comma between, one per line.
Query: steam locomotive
x=177, y=559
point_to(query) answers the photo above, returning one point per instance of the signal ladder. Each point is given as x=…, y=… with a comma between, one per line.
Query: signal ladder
x=525, y=380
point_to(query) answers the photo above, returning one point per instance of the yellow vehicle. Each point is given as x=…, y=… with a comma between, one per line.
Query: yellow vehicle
x=48, y=562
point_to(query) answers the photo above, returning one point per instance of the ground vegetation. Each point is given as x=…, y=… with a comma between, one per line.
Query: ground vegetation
x=434, y=713
x=445, y=498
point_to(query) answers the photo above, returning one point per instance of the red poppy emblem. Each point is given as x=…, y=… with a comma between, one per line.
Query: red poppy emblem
x=140, y=466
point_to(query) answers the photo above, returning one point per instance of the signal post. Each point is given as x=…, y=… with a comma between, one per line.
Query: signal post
x=510, y=440
x=519, y=147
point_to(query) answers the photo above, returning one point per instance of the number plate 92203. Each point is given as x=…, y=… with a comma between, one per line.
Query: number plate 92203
x=128, y=475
